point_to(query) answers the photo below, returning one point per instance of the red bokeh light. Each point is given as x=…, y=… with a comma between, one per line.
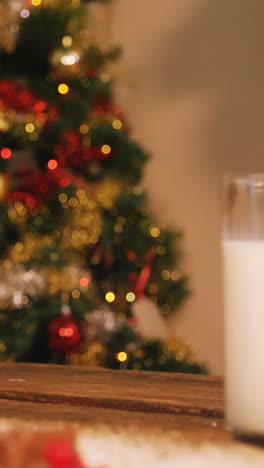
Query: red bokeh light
x=6, y=153
x=65, y=332
x=84, y=282
x=64, y=182
x=52, y=164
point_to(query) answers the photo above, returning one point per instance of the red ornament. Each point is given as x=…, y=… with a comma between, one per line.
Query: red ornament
x=60, y=454
x=64, y=334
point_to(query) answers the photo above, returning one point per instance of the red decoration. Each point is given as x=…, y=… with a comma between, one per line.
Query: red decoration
x=6, y=153
x=60, y=454
x=64, y=334
x=144, y=274
x=15, y=96
x=71, y=151
x=35, y=187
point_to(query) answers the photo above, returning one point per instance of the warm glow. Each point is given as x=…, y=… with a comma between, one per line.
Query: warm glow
x=25, y=13
x=122, y=356
x=106, y=149
x=67, y=41
x=30, y=128
x=130, y=297
x=6, y=153
x=117, y=124
x=65, y=332
x=105, y=77
x=70, y=58
x=52, y=164
x=76, y=294
x=63, y=88
x=110, y=296
x=165, y=274
x=155, y=232
x=63, y=197
x=36, y=2
x=84, y=128
x=84, y=282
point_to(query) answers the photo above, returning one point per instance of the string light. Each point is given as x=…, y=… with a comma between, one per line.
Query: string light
x=29, y=127
x=76, y=294
x=84, y=282
x=36, y=2
x=121, y=356
x=67, y=41
x=175, y=275
x=52, y=164
x=63, y=88
x=106, y=149
x=154, y=231
x=80, y=193
x=84, y=128
x=165, y=309
x=6, y=153
x=25, y=13
x=33, y=136
x=70, y=59
x=117, y=124
x=105, y=77
x=62, y=197
x=130, y=297
x=165, y=274
x=161, y=250
x=110, y=296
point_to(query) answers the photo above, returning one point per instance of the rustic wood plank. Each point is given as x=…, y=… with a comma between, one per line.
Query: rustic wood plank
x=174, y=427
x=119, y=390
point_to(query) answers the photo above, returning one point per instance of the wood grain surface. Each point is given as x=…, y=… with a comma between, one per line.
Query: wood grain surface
x=181, y=408
x=120, y=390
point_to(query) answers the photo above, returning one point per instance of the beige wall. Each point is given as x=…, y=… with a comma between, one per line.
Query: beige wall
x=197, y=106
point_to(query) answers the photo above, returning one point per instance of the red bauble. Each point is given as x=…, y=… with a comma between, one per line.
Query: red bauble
x=64, y=334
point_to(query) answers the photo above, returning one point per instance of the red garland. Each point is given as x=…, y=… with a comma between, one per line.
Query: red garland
x=15, y=96
x=71, y=151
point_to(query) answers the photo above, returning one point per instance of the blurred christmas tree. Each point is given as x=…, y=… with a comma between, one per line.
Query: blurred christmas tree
x=79, y=248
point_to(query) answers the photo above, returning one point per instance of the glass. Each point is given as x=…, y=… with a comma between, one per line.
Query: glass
x=243, y=263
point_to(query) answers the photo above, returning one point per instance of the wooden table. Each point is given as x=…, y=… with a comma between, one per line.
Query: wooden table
x=184, y=407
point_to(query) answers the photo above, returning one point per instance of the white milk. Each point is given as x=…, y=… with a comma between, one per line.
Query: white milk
x=244, y=340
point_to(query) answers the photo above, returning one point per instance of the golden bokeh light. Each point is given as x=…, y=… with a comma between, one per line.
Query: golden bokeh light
x=63, y=88
x=121, y=356
x=110, y=296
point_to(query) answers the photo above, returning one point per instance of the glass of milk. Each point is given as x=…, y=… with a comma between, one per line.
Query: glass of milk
x=243, y=253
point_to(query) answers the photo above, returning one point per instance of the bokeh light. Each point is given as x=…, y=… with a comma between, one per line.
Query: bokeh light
x=63, y=88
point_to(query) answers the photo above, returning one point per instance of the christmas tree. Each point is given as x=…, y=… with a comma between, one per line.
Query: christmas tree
x=79, y=247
